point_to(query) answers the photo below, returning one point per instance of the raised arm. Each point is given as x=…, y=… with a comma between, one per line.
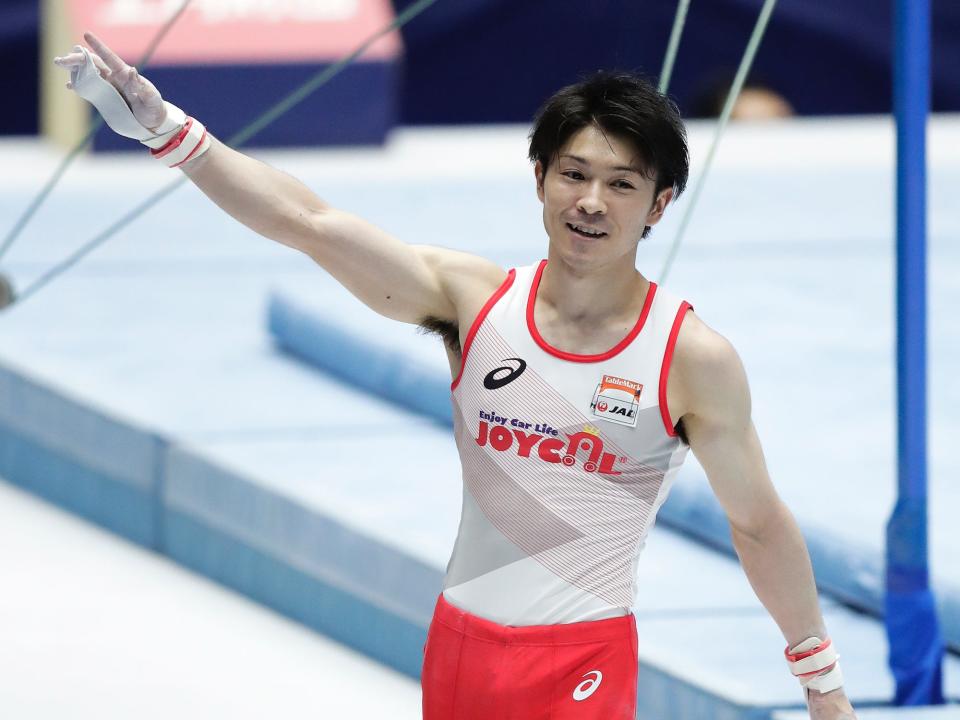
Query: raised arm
x=708, y=389
x=400, y=281
x=404, y=282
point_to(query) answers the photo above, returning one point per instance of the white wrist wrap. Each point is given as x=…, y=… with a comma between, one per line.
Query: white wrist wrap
x=816, y=664
x=178, y=138
x=191, y=141
x=93, y=88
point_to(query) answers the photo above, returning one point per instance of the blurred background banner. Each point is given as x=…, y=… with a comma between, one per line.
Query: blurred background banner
x=825, y=57
x=227, y=61
x=219, y=31
x=474, y=61
x=19, y=28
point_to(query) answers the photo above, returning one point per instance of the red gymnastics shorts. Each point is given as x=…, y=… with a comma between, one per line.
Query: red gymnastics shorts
x=475, y=669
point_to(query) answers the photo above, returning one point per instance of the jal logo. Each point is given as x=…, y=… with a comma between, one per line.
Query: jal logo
x=496, y=378
x=551, y=449
x=616, y=400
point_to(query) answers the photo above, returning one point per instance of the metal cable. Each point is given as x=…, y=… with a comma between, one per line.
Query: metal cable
x=679, y=21
x=745, y=63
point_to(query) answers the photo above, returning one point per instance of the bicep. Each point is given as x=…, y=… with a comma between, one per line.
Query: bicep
x=724, y=439
x=734, y=464
x=400, y=281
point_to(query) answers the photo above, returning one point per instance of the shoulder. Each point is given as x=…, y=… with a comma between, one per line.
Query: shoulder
x=467, y=280
x=456, y=268
x=707, y=371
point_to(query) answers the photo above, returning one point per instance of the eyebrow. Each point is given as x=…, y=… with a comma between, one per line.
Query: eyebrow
x=584, y=161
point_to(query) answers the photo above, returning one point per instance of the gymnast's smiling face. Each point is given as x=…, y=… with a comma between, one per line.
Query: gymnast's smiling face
x=598, y=199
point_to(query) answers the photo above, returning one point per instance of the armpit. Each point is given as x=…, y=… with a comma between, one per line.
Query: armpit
x=448, y=331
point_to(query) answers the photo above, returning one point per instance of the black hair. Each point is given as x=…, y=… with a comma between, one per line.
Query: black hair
x=623, y=104
x=448, y=331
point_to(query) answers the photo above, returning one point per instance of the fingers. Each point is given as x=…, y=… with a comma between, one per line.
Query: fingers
x=108, y=63
x=112, y=60
x=101, y=65
x=77, y=59
x=69, y=61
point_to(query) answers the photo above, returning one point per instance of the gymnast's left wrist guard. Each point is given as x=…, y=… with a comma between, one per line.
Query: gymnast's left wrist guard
x=816, y=664
x=187, y=141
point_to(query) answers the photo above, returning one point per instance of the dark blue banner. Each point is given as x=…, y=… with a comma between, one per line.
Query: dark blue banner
x=474, y=61
x=496, y=60
x=19, y=79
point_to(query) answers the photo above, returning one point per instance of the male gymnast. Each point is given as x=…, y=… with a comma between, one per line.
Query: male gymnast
x=586, y=385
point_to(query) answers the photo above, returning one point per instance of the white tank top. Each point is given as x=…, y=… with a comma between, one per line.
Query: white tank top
x=566, y=461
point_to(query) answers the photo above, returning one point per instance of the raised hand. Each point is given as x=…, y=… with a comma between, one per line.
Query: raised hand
x=139, y=93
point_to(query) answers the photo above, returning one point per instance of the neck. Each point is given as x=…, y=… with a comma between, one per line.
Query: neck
x=587, y=296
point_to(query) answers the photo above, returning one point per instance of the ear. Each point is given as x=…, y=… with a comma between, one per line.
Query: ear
x=538, y=173
x=659, y=206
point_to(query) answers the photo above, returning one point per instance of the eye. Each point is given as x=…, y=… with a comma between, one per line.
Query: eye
x=572, y=174
x=623, y=185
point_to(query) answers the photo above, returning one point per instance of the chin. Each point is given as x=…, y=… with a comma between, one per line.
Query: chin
x=580, y=257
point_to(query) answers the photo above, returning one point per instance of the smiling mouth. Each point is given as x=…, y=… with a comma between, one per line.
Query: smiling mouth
x=586, y=232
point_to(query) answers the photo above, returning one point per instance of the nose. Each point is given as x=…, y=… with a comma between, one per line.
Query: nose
x=591, y=201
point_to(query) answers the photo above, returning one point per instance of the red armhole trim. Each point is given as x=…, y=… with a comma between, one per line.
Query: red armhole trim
x=665, y=367
x=573, y=357
x=478, y=321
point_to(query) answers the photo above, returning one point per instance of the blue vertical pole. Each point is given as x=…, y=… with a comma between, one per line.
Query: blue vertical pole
x=913, y=633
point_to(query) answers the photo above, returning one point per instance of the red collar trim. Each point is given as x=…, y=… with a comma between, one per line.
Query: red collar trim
x=573, y=357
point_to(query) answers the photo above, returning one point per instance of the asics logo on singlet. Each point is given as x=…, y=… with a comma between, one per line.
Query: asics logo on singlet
x=588, y=687
x=494, y=382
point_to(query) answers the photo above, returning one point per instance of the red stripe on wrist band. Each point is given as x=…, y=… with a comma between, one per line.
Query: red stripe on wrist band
x=192, y=152
x=175, y=141
x=807, y=653
x=821, y=671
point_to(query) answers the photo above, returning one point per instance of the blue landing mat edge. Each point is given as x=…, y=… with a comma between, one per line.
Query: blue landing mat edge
x=344, y=616
x=79, y=430
x=350, y=356
x=321, y=546
x=64, y=480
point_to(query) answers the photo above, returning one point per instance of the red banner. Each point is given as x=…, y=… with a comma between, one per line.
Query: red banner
x=239, y=31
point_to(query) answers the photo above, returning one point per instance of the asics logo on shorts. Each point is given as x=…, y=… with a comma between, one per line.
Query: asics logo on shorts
x=588, y=687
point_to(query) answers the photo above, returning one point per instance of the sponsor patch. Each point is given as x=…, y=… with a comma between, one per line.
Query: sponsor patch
x=617, y=400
